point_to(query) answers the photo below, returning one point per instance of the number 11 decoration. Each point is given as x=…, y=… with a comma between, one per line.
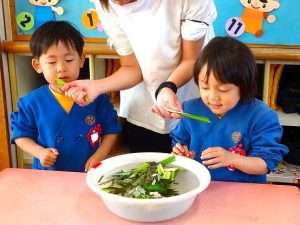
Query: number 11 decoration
x=235, y=27
x=251, y=20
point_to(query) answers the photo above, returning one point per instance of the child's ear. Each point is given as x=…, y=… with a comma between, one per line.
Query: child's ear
x=36, y=65
x=82, y=59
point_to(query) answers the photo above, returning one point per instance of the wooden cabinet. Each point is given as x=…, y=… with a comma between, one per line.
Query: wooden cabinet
x=5, y=159
x=268, y=56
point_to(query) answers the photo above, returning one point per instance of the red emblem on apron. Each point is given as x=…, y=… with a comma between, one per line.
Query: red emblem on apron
x=94, y=135
x=236, y=150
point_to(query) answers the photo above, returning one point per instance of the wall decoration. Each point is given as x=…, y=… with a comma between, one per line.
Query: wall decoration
x=272, y=22
x=255, y=12
x=27, y=15
x=44, y=11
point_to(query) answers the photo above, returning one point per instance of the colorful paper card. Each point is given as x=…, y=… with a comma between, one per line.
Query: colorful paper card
x=272, y=22
x=30, y=14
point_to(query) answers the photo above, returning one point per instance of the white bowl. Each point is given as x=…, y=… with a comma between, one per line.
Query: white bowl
x=191, y=182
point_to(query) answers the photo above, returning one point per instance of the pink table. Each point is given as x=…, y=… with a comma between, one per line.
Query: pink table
x=33, y=197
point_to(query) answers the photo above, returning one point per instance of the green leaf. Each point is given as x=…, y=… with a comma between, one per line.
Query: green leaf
x=168, y=160
x=146, y=181
x=60, y=82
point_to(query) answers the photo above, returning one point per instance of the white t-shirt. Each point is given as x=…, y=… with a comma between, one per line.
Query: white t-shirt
x=153, y=29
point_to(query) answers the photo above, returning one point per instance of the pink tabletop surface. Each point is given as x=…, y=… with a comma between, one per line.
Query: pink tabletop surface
x=32, y=197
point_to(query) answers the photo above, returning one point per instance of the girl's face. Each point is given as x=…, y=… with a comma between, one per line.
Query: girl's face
x=219, y=98
x=61, y=62
x=124, y=2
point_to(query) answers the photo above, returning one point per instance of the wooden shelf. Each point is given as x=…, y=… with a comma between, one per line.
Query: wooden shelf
x=276, y=53
x=22, y=47
x=261, y=52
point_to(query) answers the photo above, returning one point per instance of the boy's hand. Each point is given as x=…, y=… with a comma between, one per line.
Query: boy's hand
x=216, y=157
x=92, y=161
x=178, y=149
x=48, y=157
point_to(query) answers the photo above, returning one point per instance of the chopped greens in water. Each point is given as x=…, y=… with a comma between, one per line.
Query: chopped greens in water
x=147, y=181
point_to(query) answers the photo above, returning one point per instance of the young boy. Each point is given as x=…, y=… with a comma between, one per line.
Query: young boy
x=59, y=134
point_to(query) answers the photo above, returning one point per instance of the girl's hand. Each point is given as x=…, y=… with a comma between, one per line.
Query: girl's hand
x=48, y=157
x=216, y=157
x=167, y=99
x=183, y=150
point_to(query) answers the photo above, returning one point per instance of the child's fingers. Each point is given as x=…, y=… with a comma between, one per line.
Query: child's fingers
x=54, y=151
x=191, y=154
x=86, y=168
x=176, y=151
x=50, y=161
x=180, y=148
x=186, y=151
x=210, y=153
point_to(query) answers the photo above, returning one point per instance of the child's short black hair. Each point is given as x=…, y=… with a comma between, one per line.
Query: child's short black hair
x=52, y=33
x=231, y=61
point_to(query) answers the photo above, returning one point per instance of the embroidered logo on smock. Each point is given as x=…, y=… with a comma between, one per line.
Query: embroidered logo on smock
x=236, y=137
x=90, y=120
x=94, y=135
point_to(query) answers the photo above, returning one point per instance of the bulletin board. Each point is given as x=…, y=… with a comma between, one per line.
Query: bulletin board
x=26, y=17
x=284, y=31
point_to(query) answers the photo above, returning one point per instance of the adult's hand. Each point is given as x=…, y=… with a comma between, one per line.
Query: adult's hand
x=82, y=91
x=167, y=99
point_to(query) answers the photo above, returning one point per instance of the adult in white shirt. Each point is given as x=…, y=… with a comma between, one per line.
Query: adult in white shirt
x=158, y=42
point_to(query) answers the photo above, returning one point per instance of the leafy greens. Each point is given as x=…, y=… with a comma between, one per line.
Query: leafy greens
x=148, y=180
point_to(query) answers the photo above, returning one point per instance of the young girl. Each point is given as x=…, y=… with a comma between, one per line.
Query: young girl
x=242, y=141
x=59, y=134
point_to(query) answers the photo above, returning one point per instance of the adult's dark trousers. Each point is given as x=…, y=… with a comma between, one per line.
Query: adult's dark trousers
x=140, y=139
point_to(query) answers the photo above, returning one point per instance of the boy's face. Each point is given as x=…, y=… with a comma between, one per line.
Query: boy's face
x=59, y=61
x=219, y=98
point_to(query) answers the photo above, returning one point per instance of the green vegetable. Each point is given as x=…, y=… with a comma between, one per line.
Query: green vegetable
x=168, y=160
x=148, y=180
x=191, y=116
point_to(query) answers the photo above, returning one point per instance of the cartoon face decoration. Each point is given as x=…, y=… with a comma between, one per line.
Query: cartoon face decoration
x=261, y=5
x=44, y=2
x=45, y=11
x=255, y=12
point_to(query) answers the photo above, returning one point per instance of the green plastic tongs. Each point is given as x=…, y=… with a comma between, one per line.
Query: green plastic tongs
x=191, y=116
x=61, y=83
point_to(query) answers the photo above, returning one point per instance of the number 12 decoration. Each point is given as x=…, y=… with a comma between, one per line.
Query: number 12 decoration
x=251, y=20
